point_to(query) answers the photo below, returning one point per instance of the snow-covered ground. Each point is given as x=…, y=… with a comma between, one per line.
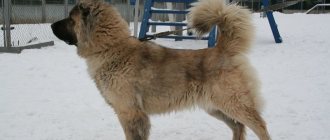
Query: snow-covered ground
x=46, y=94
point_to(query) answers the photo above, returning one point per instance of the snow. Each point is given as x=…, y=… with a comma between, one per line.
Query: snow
x=46, y=94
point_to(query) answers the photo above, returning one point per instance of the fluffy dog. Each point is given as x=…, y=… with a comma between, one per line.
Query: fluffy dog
x=142, y=78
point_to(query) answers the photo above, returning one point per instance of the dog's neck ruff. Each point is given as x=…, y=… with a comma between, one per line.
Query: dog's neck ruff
x=88, y=50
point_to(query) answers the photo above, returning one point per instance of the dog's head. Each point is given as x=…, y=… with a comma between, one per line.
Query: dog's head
x=91, y=22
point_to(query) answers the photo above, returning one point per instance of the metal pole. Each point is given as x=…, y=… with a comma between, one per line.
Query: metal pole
x=154, y=18
x=283, y=8
x=179, y=18
x=43, y=11
x=6, y=26
x=169, y=5
x=323, y=9
x=301, y=5
x=136, y=17
x=272, y=23
x=3, y=24
x=252, y=5
x=66, y=8
x=128, y=10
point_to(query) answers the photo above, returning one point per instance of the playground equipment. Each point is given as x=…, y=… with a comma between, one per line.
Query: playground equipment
x=316, y=6
x=272, y=23
x=149, y=10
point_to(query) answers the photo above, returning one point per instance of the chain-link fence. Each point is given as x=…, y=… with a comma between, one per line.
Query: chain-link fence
x=26, y=23
x=39, y=11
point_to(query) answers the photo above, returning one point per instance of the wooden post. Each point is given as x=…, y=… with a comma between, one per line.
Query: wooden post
x=169, y=5
x=154, y=18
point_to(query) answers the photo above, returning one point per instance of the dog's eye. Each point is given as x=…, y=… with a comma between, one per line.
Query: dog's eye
x=84, y=10
x=85, y=13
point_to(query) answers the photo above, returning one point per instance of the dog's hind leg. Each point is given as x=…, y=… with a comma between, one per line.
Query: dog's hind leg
x=243, y=113
x=237, y=128
x=135, y=123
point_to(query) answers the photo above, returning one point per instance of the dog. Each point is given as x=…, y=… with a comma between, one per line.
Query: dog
x=139, y=79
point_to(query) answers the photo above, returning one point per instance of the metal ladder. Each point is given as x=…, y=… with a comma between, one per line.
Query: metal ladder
x=149, y=10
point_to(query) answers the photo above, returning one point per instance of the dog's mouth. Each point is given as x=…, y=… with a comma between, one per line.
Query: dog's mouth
x=70, y=43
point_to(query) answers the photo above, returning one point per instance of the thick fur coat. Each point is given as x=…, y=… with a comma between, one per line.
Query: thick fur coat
x=142, y=78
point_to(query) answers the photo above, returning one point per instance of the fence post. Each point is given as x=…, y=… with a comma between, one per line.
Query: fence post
x=136, y=17
x=6, y=25
x=43, y=11
x=179, y=18
x=66, y=8
x=128, y=10
x=323, y=10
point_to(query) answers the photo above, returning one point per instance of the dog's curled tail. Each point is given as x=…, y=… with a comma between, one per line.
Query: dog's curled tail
x=233, y=21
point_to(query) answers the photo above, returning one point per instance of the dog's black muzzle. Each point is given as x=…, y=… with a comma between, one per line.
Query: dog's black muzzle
x=63, y=30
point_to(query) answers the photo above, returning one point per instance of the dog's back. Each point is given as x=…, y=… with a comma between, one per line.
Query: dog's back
x=188, y=74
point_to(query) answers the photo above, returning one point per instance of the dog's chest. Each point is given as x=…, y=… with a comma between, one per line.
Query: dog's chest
x=93, y=64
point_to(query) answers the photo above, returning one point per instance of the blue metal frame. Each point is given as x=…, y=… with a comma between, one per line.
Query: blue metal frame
x=165, y=11
x=147, y=15
x=272, y=23
x=212, y=37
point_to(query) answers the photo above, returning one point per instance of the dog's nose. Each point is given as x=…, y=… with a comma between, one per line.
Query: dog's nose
x=52, y=26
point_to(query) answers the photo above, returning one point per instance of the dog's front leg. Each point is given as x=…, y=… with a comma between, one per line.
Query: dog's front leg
x=135, y=123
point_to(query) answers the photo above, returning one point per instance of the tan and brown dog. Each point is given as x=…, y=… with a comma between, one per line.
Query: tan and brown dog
x=142, y=78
